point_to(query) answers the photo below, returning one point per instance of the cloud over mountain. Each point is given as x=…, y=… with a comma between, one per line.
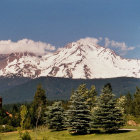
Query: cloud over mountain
x=90, y=40
x=83, y=59
x=25, y=45
x=120, y=47
x=38, y=47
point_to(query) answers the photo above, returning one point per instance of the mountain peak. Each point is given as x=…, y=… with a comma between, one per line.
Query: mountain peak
x=85, y=43
x=88, y=41
x=81, y=59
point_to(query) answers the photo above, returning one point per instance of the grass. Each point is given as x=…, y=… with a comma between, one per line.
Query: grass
x=64, y=135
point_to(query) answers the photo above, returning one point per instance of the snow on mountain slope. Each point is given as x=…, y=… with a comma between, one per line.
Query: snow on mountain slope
x=82, y=59
x=20, y=64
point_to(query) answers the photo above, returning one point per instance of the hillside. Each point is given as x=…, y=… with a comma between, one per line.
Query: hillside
x=60, y=88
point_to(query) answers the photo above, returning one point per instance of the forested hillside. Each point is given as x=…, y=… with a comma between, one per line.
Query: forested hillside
x=22, y=89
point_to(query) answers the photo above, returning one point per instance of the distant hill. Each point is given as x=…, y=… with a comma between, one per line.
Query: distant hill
x=18, y=89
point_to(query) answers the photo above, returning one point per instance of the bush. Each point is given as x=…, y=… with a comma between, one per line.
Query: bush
x=26, y=136
x=7, y=128
x=134, y=118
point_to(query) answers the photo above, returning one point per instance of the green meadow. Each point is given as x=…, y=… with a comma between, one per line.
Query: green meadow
x=45, y=134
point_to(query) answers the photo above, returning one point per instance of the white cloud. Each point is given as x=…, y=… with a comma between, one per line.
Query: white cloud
x=25, y=45
x=120, y=47
x=89, y=40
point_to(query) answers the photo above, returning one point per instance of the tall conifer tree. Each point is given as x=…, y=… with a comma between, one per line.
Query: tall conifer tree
x=107, y=115
x=39, y=105
x=137, y=101
x=129, y=107
x=79, y=113
x=55, y=116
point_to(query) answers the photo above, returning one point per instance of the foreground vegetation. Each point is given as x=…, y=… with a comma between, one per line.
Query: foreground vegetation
x=44, y=133
x=84, y=116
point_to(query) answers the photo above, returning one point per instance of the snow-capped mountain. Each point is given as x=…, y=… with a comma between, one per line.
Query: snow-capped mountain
x=82, y=59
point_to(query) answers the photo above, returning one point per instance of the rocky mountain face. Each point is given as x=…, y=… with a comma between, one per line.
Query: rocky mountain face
x=19, y=64
x=82, y=59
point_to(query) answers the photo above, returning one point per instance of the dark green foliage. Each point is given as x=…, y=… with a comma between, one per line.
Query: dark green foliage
x=132, y=105
x=137, y=101
x=15, y=120
x=15, y=115
x=107, y=115
x=7, y=128
x=81, y=103
x=129, y=106
x=90, y=96
x=55, y=116
x=23, y=115
x=38, y=106
x=3, y=117
x=79, y=113
x=6, y=119
x=26, y=136
x=23, y=89
x=40, y=97
x=27, y=124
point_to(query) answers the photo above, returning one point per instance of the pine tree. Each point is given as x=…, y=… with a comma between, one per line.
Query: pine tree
x=88, y=95
x=137, y=102
x=121, y=102
x=55, y=116
x=48, y=117
x=78, y=114
x=107, y=115
x=40, y=97
x=91, y=97
x=39, y=105
x=129, y=108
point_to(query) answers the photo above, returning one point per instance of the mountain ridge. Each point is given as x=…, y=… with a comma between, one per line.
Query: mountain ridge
x=82, y=59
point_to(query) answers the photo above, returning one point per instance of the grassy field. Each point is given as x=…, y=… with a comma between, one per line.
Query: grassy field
x=64, y=135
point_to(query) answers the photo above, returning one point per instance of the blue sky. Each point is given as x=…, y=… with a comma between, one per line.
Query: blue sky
x=61, y=21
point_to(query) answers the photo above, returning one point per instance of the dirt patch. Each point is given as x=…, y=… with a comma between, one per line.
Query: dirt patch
x=131, y=123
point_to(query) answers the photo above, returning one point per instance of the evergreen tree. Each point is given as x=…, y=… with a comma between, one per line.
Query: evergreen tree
x=55, y=116
x=78, y=114
x=48, y=117
x=128, y=108
x=40, y=97
x=38, y=107
x=88, y=95
x=137, y=101
x=107, y=115
x=91, y=98
x=121, y=102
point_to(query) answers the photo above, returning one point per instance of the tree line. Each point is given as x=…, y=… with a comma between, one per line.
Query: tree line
x=84, y=112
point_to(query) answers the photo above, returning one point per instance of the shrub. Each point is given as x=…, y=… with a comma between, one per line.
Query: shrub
x=26, y=136
x=7, y=128
x=134, y=118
